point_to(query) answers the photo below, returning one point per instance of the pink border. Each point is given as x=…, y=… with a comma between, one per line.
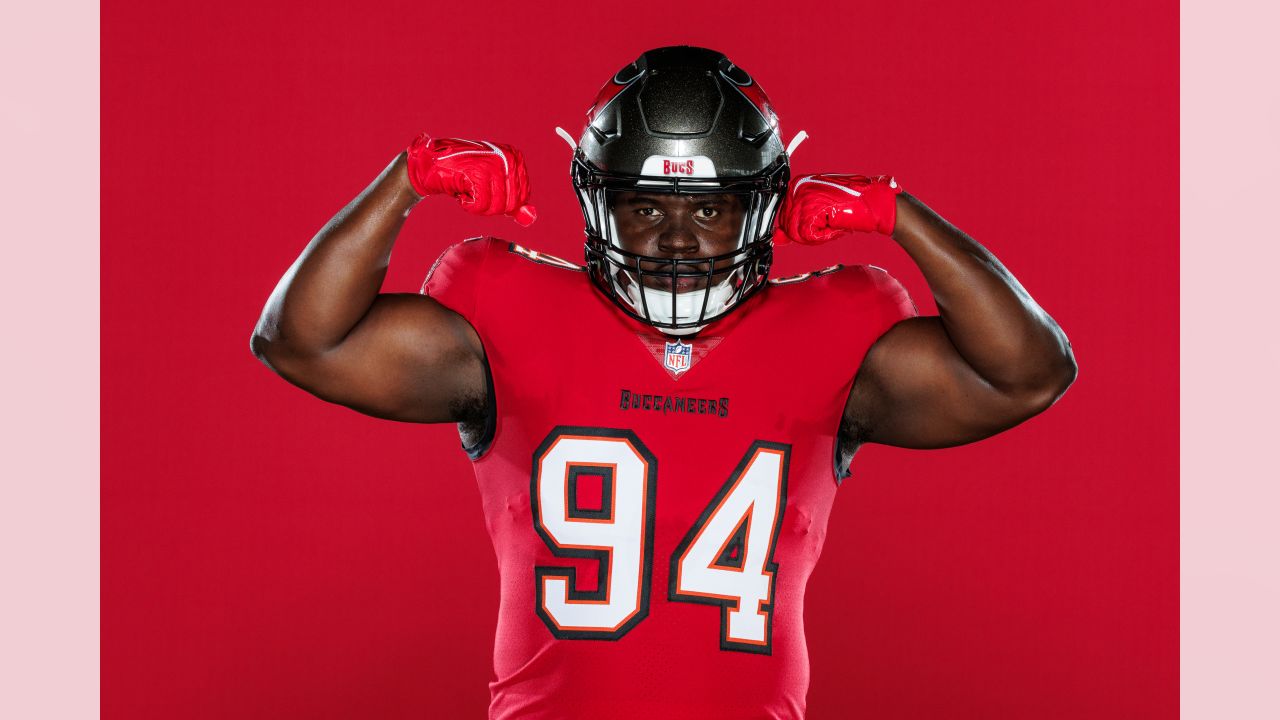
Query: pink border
x=1230, y=494
x=49, y=497
x=49, y=663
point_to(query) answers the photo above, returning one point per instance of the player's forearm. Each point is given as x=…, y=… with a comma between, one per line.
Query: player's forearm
x=336, y=279
x=995, y=325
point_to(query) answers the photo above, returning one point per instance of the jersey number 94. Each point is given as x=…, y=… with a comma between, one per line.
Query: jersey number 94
x=725, y=559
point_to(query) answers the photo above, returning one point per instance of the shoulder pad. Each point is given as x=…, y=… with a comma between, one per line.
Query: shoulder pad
x=455, y=257
x=862, y=283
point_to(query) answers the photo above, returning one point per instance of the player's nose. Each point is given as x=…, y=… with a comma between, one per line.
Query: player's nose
x=677, y=235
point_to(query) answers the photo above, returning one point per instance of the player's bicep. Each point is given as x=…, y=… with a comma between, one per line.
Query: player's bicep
x=410, y=358
x=914, y=390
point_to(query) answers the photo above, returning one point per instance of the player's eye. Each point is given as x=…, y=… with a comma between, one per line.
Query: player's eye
x=708, y=212
x=647, y=211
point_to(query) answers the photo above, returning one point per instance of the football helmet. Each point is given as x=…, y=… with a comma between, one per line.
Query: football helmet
x=680, y=120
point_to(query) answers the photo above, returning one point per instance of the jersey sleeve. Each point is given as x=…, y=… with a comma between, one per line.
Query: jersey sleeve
x=456, y=278
x=892, y=301
x=874, y=302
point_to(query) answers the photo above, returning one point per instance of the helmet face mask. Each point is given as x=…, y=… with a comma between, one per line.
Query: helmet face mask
x=682, y=121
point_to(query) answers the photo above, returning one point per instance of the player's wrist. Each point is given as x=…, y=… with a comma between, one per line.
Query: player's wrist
x=419, y=161
x=405, y=192
x=881, y=196
x=901, y=207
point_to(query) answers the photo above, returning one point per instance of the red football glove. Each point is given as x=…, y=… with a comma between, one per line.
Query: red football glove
x=486, y=178
x=819, y=208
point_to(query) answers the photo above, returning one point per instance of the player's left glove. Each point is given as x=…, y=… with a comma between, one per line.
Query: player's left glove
x=818, y=208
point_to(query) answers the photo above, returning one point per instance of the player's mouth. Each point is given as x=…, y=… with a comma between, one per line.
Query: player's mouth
x=686, y=279
x=681, y=284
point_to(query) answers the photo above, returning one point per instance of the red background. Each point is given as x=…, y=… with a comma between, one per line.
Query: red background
x=268, y=555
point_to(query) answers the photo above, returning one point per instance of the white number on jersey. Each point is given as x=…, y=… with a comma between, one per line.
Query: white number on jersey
x=726, y=559
x=619, y=534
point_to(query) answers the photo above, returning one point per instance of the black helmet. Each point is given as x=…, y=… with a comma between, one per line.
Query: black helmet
x=680, y=120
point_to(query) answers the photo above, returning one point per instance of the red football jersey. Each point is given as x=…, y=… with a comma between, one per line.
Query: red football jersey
x=657, y=504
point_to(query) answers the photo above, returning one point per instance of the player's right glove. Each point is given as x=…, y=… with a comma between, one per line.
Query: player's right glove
x=486, y=178
x=819, y=208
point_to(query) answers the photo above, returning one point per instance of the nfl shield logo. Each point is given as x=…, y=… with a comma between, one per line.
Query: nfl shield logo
x=678, y=357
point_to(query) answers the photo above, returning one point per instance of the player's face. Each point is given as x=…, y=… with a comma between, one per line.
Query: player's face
x=682, y=227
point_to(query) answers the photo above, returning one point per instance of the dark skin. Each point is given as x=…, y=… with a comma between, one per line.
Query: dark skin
x=991, y=359
x=653, y=224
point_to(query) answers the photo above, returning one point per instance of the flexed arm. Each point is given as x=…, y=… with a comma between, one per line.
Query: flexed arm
x=327, y=329
x=991, y=359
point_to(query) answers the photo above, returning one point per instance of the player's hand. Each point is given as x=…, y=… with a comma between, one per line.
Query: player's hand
x=819, y=208
x=486, y=178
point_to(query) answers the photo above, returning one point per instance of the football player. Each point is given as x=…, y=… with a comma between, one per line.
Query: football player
x=656, y=487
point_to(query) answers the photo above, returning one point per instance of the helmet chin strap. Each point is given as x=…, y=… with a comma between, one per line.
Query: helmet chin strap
x=688, y=305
